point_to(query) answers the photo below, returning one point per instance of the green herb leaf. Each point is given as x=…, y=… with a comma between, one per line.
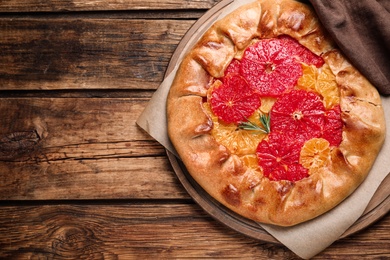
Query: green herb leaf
x=266, y=121
x=265, y=127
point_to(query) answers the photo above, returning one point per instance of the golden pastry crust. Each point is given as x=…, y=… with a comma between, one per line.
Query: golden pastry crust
x=222, y=174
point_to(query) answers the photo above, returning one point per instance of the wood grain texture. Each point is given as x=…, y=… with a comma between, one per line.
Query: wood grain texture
x=73, y=128
x=73, y=53
x=149, y=230
x=98, y=5
x=78, y=178
x=126, y=178
x=80, y=148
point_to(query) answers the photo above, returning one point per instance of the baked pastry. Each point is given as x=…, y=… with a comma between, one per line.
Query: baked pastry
x=270, y=118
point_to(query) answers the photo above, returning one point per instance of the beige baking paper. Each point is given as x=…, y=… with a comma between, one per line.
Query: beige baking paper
x=307, y=239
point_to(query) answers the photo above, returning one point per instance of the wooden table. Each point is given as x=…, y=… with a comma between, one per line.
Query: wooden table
x=78, y=178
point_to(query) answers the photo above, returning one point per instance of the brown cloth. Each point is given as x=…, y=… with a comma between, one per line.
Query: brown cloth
x=361, y=29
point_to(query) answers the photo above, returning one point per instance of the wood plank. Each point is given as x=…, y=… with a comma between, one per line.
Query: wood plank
x=76, y=53
x=150, y=231
x=80, y=148
x=98, y=5
x=147, y=14
x=122, y=178
x=48, y=129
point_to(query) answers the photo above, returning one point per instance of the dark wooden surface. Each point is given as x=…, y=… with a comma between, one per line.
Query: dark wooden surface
x=78, y=178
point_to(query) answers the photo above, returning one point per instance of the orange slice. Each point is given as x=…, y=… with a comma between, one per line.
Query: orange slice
x=315, y=153
x=327, y=87
x=238, y=141
x=309, y=78
x=266, y=104
x=322, y=81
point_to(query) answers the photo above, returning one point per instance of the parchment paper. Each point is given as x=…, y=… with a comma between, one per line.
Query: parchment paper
x=306, y=239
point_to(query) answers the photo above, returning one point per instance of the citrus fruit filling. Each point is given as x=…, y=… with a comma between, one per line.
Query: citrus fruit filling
x=277, y=108
x=279, y=158
x=272, y=66
x=299, y=114
x=315, y=154
x=233, y=100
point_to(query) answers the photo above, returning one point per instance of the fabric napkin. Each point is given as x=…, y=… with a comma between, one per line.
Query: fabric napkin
x=307, y=239
x=361, y=29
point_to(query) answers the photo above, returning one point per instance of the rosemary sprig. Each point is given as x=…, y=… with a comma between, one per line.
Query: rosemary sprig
x=264, y=120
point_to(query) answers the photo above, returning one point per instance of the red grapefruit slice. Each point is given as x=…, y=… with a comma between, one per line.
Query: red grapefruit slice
x=268, y=67
x=299, y=114
x=333, y=126
x=279, y=158
x=234, y=101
